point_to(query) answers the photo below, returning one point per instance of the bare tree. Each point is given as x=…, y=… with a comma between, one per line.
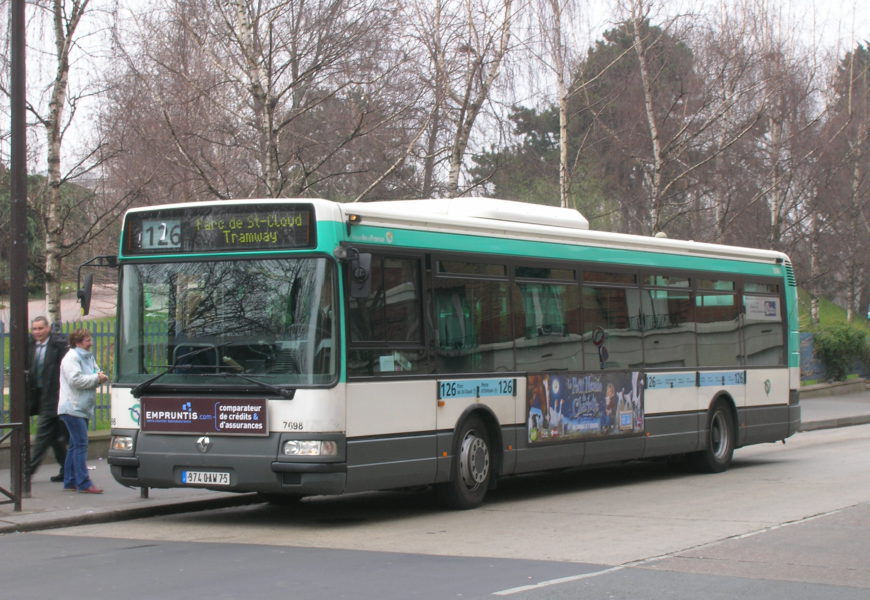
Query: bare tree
x=466, y=43
x=847, y=161
x=553, y=16
x=693, y=113
x=71, y=216
x=560, y=65
x=858, y=158
x=487, y=38
x=66, y=20
x=278, y=97
x=732, y=65
x=429, y=31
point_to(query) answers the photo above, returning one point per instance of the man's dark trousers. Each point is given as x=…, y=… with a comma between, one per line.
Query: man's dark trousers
x=44, y=390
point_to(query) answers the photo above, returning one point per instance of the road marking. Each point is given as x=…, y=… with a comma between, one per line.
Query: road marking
x=570, y=578
x=643, y=561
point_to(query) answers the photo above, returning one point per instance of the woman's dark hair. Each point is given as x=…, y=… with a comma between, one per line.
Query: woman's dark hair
x=76, y=337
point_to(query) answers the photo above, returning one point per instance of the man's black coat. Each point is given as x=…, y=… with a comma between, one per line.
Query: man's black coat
x=43, y=401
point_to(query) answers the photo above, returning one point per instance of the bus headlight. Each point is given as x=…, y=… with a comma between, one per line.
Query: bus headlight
x=124, y=443
x=310, y=448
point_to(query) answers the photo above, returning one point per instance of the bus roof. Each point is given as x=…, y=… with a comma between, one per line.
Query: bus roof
x=492, y=217
x=520, y=220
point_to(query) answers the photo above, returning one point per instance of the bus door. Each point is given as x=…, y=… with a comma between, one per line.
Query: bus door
x=391, y=427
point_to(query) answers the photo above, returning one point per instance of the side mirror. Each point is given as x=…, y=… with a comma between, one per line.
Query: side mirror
x=361, y=275
x=359, y=266
x=84, y=292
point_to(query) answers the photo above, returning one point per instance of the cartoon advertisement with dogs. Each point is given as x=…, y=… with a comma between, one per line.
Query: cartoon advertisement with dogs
x=569, y=406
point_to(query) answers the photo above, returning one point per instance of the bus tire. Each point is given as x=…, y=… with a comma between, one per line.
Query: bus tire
x=719, y=444
x=472, y=467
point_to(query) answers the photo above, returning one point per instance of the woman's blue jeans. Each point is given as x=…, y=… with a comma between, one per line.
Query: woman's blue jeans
x=75, y=468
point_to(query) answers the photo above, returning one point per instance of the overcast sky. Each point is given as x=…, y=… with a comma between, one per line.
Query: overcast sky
x=835, y=25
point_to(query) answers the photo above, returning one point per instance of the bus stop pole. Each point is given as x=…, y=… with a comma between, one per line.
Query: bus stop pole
x=18, y=254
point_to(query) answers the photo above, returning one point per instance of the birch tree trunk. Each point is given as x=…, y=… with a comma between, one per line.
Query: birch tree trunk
x=260, y=87
x=815, y=309
x=558, y=51
x=433, y=36
x=777, y=188
x=653, y=171
x=860, y=111
x=65, y=20
x=856, y=281
x=431, y=153
x=564, y=177
x=483, y=67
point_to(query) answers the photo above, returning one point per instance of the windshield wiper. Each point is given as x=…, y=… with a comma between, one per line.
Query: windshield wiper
x=137, y=391
x=288, y=393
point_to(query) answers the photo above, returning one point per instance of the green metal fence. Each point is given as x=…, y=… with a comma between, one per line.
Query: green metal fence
x=103, y=333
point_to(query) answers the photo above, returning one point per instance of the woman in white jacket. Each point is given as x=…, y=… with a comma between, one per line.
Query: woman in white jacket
x=79, y=379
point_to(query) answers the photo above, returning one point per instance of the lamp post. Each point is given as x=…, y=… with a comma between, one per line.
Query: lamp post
x=18, y=243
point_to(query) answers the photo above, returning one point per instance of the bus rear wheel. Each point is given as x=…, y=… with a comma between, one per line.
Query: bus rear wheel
x=472, y=467
x=719, y=445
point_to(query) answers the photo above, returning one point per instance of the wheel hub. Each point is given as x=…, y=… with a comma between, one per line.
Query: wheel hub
x=718, y=439
x=473, y=460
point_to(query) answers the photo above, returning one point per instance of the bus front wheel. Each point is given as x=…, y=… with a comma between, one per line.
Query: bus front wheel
x=719, y=445
x=472, y=467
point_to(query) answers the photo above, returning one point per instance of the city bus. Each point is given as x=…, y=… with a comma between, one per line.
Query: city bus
x=303, y=347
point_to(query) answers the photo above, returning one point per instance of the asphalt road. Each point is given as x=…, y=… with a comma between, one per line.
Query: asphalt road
x=787, y=521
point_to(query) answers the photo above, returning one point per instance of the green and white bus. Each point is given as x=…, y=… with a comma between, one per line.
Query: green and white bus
x=302, y=347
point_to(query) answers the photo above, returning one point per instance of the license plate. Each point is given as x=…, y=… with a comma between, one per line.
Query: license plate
x=205, y=478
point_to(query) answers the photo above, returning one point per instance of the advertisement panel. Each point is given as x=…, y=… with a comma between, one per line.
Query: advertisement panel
x=227, y=416
x=576, y=406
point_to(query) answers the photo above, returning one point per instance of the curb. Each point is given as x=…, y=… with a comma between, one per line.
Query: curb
x=835, y=423
x=38, y=522
x=836, y=388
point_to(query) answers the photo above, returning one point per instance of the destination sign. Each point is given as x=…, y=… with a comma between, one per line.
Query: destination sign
x=213, y=228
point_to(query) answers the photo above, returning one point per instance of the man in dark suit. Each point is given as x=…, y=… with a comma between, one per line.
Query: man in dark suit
x=45, y=351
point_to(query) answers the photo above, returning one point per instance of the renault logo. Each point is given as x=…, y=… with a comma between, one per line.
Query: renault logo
x=203, y=444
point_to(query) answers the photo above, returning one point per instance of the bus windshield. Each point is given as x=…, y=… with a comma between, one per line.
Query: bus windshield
x=201, y=322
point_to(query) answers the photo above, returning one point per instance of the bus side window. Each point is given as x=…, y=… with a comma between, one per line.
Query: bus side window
x=763, y=334
x=717, y=319
x=668, y=328
x=547, y=326
x=542, y=310
x=473, y=325
x=454, y=323
x=611, y=331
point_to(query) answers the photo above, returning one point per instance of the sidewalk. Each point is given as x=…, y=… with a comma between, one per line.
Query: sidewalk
x=828, y=412
x=50, y=507
x=103, y=304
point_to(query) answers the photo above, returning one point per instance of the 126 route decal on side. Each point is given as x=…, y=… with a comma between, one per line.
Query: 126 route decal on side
x=476, y=388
